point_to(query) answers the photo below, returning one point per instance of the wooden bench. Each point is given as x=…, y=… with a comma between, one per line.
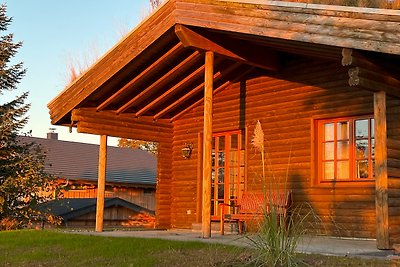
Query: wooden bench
x=253, y=206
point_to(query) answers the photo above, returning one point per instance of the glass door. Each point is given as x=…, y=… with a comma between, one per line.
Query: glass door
x=228, y=171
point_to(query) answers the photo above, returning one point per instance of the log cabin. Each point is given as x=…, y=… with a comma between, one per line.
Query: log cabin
x=324, y=81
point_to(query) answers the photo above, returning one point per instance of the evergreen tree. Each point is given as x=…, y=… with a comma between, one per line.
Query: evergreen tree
x=23, y=181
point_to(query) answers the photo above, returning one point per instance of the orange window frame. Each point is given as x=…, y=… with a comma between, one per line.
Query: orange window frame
x=227, y=167
x=353, y=158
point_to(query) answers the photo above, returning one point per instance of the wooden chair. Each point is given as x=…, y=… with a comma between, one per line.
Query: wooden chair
x=253, y=206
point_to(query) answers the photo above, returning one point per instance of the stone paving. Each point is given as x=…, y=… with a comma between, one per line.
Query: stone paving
x=316, y=244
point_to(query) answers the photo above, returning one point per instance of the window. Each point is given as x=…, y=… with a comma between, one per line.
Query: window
x=346, y=149
x=228, y=170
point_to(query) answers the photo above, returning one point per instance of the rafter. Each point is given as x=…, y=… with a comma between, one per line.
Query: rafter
x=265, y=58
x=189, y=60
x=153, y=67
x=170, y=91
x=194, y=91
x=220, y=88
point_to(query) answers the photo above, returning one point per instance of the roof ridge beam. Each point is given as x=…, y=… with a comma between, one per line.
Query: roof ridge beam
x=266, y=59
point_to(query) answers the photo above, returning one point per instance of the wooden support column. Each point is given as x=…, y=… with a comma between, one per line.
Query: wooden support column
x=199, y=178
x=101, y=183
x=207, y=144
x=381, y=172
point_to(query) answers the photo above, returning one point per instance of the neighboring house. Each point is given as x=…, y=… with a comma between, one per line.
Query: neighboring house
x=81, y=212
x=323, y=80
x=131, y=174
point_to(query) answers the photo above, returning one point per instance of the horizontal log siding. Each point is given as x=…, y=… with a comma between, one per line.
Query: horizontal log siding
x=164, y=185
x=285, y=109
x=133, y=195
x=393, y=125
x=114, y=217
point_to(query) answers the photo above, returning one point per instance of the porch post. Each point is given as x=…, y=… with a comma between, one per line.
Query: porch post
x=101, y=182
x=207, y=144
x=381, y=172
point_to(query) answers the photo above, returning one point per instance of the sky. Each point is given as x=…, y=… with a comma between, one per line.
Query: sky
x=56, y=34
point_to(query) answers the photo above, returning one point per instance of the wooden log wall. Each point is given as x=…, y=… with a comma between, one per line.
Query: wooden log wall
x=393, y=125
x=114, y=217
x=285, y=105
x=134, y=195
x=164, y=185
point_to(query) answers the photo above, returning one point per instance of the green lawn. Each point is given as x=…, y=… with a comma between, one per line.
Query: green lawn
x=51, y=248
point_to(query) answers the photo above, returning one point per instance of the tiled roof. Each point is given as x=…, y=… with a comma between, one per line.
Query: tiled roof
x=79, y=161
x=69, y=208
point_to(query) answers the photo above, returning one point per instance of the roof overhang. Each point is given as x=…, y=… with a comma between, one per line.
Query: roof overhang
x=155, y=74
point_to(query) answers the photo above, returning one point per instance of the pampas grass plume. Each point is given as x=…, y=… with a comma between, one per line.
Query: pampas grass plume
x=258, y=137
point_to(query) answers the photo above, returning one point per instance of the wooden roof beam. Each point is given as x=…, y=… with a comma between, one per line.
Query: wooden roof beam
x=194, y=91
x=153, y=67
x=170, y=91
x=220, y=88
x=265, y=59
x=88, y=120
x=189, y=60
x=373, y=81
x=90, y=114
x=356, y=58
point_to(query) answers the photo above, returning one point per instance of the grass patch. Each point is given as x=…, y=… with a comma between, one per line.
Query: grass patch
x=50, y=248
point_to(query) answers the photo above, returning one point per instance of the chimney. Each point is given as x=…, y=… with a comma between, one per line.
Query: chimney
x=52, y=135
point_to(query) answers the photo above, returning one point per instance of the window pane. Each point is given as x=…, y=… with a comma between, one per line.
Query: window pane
x=343, y=130
x=221, y=158
x=233, y=172
x=328, y=171
x=362, y=168
x=372, y=128
x=361, y=129
x=234, y=141
x=329, y=133
x=343, y=150
x=221, y=143
x=221, y=191
x=233, y=156
x=361, y=149
x=221, y=172
x=373, y=169
x=329, y=152
x=343, y=171
x=373, y=148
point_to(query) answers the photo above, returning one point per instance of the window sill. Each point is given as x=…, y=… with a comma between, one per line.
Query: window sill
x=366, y=183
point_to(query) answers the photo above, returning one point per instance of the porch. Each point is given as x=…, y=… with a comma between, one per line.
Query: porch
x=198, y=71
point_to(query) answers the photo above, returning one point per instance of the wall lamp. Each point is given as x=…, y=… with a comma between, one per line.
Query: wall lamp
x=187, y=150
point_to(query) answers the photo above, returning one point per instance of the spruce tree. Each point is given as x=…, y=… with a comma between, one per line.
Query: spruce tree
x=23, y=181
